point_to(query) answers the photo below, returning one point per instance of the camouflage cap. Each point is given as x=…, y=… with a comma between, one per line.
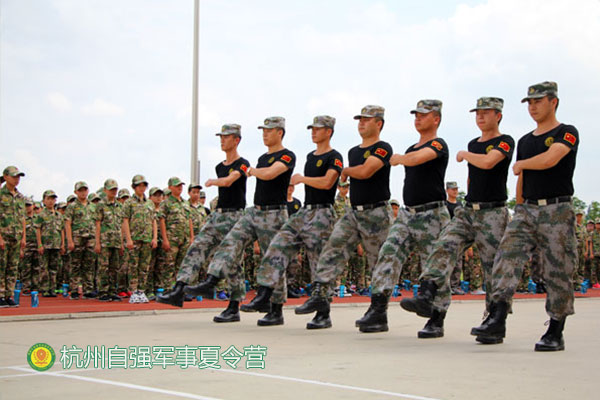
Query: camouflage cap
x=49, y=193
x=12, y=171
x=540, y=90
x=71, y=198
x=155, y=190
x=175, y=181
x=28, y=201
x=230, y=129
x=427, y=106
x=110, y=184
x=489, y=103
x=37, y=204
x=138, y=179
x=579, y=212
x=194, y=186
x=322, y=121
x=167, y=192
x=94, y=197
x=371, y=111
x=61, y=205
x=123, y=193
x=273, y=122
x=343, y=184
x=81, y=184
x=395, y=202
x=590, y=221
x=202, y=194
x=451, y=185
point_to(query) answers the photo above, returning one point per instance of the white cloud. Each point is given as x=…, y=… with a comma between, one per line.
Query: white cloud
x=59, y=102
x=102, y=108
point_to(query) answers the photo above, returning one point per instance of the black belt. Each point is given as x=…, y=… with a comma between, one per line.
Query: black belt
x=269, y=208
x=483, y=206
x=425, y=207
x=545, y=202
x=363, y=207
x=227, y=210
x=316, y=206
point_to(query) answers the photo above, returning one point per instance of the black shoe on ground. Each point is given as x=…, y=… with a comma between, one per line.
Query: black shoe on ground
x=273, y=317
x=375, y=319
x=434, y=328
x=317, y=301
x=10, y=302
x=493, y=328
x=293, y=293
x=553, y=338
x=320, y=321
x=174, y=297
x=230, y=314
x=261, y=302
x=205, y=289
x=422, y=304
x=3, y=303
x=74, y=296
x=89, y=295
x=105, y=297
x=115, y=297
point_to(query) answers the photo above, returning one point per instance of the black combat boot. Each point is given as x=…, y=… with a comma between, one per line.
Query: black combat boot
x=261, y=302
x=175, y=296
x=434, y=328
x=320, y=321
x=493, y=328
x=230, y=314
x=553, y=338
x=317, y=301
x=273, y=317
x=375, y=319
x=422, y=304
x=206, y=288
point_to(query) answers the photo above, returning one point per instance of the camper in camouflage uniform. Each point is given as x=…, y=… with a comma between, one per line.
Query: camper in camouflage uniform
x=30, y=271
x=50, y=237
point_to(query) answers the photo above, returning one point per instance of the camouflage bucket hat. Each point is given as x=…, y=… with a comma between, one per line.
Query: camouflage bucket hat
x=175, y=181
x=273, y=122
x=49, y=193
x=110, y=184
x=540, y=90
x=155, y=190
x=123, y=193
x=322, y=121
x=371, y=111
x=427, y=106
x=138, y=179
x=81, y=184
x=230, y=129
x=12, y=171
x=451, y=185
x=489, y=103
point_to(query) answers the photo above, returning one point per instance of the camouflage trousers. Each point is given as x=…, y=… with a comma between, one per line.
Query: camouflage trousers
x=310, y=228
x=63, y=275
x=109, y=262
x=593, y=270
x=9, y=266
x=123, y=275
x=138, y=263
x=253, y=225
x=481, y=227
x=411, y=232
x=51, y=263
x=550, y=229
x=31, y=273
x=170, y=261
x=206, y=243
x=369, y=227
x=83, y=263
x=155, y=266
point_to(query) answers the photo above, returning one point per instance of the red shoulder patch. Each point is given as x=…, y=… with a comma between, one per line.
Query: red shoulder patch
x=504, y=146
x=437, y=145
x=570, y=138
x=381, y=152
x=244, y=168
x=338, y=163
x=286, y=158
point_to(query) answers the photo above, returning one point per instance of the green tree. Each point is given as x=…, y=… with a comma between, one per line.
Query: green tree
x=593, y=210
x=511, y=204
x=579, y=204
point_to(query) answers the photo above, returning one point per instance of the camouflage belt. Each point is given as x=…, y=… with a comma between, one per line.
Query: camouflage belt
x=483, y=206
x=316, y=206
x=363, y=207
x=545, y=202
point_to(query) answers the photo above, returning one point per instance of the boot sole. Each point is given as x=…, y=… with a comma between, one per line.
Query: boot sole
x=411, y=307
x=300, y=311
x=427, y=335
x=310, y=325
x=245, y=308
x=489, y=339
x=159, y=300
x=546, y=348
x=477, y=332
x=260, y=322
x=373, y=328
x=221, y=320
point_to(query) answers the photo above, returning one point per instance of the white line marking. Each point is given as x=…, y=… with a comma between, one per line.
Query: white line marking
x=122, y=384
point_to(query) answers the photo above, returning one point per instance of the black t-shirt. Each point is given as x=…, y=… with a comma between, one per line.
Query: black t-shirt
x=274, y=192
x=451, y=207
x=318, y=166
x=293, y=206
x=377, y=187
x=425, y=183
x=552, y=182
x=487, y=185
x=233, y=196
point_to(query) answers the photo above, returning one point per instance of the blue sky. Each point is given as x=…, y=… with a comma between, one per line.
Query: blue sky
x=97, y=89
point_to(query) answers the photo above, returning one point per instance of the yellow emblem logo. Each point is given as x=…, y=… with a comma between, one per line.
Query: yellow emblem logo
x=319, y=163
x=367, y=154
x=489, y=148
x=41, y=357
x=271, y=160
x=531, y=90
x=549, y=141
x=230, y=170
